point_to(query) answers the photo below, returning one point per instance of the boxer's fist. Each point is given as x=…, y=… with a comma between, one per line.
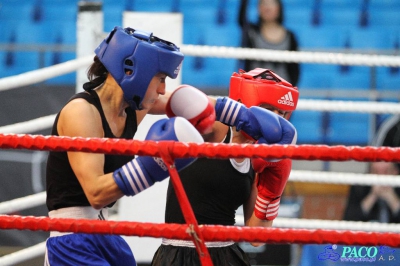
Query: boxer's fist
x=194, y=105
x=272, y=179
x=259, y=123
x=143, y=171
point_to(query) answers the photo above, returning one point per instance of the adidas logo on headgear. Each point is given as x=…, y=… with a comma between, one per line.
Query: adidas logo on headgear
x=286, y=99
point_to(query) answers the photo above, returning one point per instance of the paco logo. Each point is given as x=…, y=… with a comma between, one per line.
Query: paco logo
x=361, y=252
x=358, y=254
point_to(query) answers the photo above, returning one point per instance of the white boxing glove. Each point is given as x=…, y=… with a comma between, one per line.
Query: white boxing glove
x=192, y=104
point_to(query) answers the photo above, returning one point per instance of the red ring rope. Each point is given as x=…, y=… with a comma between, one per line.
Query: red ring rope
x=209, y=232
x=168, y=150
x=211, y=150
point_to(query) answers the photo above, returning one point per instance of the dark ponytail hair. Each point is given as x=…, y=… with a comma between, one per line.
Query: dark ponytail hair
x=97, y=74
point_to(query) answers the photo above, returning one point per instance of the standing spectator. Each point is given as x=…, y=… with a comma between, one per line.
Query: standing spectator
x=378, y=203
x=269, y=33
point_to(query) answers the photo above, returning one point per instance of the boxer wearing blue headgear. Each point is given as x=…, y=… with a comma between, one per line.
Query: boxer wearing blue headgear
x=133, y=57
x=83, y=185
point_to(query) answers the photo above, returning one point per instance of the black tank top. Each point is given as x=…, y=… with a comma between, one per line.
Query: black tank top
x=62, y=186
x=215, y=190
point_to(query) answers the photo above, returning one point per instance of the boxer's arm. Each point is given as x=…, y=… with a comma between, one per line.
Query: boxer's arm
x=272, y=179
x=100, y=188
x=248, y=210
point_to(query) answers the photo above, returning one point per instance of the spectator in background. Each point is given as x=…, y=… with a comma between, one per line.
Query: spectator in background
x=269, y=33
x=378, y=203
x=375, y=203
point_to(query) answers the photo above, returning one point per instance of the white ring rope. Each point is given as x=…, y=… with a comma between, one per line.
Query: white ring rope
x=23, y=255
x=304, y=105
x=23, y=203
x=33, y=125
x=336, y=225
x=36, y=76
x=291, y=56
x=295, y=176
x=344, y=178
x=349, y=106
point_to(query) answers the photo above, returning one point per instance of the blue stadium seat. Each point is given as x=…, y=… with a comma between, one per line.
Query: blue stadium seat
x=29, y=33
x=385, y=17
x=202, y=15
x=355, y=78
x=214, y=73
x=341, y=3
x=297, y=3
x=20, y=62
x=16, y=11
x=112, y=13
x=297, y=17
x=194, y=34
x=384, y=3
x=8, y=33
x=153, y=5
x=60, y=11
x=205, y=34
x=388, y=78
x=228, y=10
x=369, y=39
x=349, y=128
x=316, y=76
x=309, y=127
x=344, y=16
x=322, y=37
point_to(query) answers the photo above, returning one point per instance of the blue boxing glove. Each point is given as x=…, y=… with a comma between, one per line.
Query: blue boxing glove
x=259, y=123
x=143, y=171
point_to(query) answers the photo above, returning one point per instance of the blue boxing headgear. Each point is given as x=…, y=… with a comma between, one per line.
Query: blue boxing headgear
x=140, y=54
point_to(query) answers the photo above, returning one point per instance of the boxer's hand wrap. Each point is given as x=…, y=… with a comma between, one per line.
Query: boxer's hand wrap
x=259, y=123
x=194, y=105
x=272, y=179
x=143, y=171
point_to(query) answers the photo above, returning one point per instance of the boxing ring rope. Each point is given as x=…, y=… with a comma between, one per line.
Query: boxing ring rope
x=211, y=150
x=295, y=176
x=23, y=203
x=219, y=52
x=244, y=53
x=209, y=232
x=46, y=122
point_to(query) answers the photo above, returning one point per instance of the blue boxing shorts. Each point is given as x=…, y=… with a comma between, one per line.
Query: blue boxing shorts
x=74, y=249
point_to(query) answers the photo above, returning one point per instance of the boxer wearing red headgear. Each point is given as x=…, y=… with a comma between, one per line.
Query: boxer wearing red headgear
x=245, y=111
x=262, y=87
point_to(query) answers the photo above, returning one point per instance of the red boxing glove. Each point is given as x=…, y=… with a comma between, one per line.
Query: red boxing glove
x=192, y=104
x=272, y=179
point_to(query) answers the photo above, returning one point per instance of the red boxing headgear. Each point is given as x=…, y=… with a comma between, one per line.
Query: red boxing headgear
x=263, y=86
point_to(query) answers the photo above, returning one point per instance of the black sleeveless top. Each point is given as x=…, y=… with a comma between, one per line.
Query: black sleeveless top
x=215, y=190
x=62, y=186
